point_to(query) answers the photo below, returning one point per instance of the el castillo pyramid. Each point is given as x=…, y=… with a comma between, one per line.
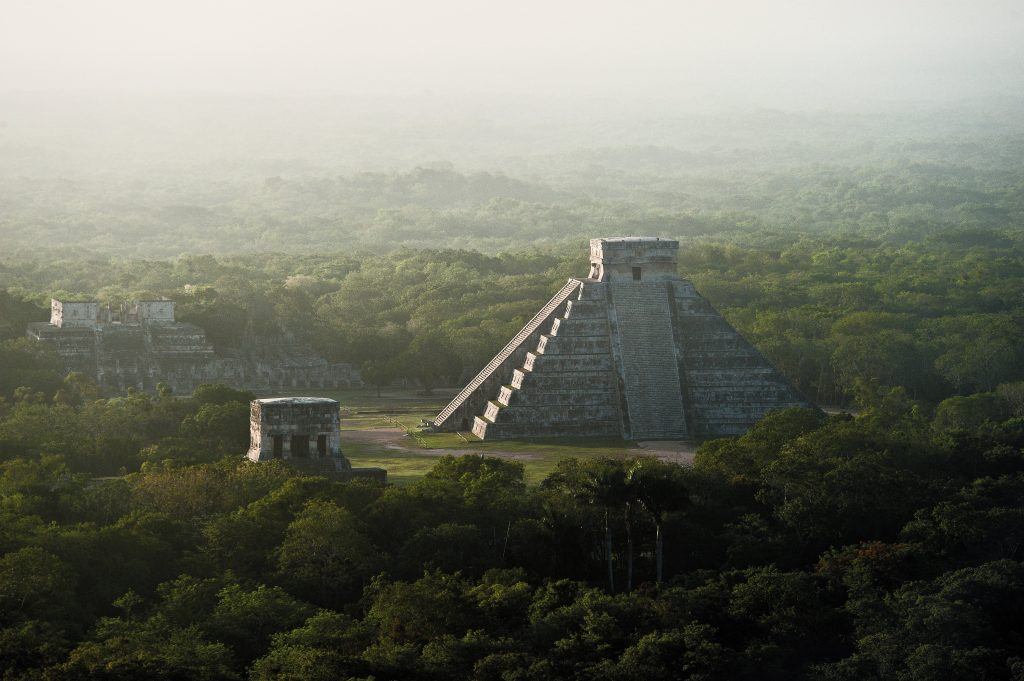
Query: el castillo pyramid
x=632, y=351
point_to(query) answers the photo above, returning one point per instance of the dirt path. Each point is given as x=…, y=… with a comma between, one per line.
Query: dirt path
x=396, y=439
x=674, y=451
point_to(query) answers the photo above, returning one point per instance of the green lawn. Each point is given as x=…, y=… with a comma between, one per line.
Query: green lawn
x=391, y=400
x=539, y=458
x=402, y=467
x=363, y=410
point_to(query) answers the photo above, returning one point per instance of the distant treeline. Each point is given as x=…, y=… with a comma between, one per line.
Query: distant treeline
x=894, y=176
x=940, y=316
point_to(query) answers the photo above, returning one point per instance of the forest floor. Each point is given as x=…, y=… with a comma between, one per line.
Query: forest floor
x=382, y=431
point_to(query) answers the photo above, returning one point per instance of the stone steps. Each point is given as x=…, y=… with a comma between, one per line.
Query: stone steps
x=509, y=396
x=588, y=326
x=574, y=345
x=550, y=413
x=647, y=353
x=682, y=371
x=568, y=363
x=554, y=381
x=484, y=429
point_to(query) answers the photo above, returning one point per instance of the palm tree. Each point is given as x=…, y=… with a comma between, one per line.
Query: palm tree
x=599, y=483
x=660, y=489
x=630, y=499
x=605, y=486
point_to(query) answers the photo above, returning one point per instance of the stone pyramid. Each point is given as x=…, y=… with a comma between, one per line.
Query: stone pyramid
x=632, y=351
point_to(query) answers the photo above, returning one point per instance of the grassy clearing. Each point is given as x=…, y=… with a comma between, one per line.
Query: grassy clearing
x=403, y=467
x=391, y=400
x=409, y=458
x=538, y=459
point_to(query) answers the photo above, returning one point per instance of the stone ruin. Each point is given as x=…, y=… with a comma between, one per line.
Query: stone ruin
x=141, y=345
x=306, y=433
x=632, y=351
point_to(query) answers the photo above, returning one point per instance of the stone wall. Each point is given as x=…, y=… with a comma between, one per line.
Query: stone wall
x=145, y=347
x=66, y=314
x=155, y=311
x=292, y=429
x=567, y=386
x=275, y=423
x=638, y=357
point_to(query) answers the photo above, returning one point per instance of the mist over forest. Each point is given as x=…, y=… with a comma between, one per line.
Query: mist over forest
x=159, y=176
x=393, y=190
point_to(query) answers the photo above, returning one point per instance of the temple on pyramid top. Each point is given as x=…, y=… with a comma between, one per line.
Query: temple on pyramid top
x=631, y=351
x=636, y=258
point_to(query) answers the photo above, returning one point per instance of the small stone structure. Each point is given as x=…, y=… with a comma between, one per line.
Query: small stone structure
x=305, y=432
x=295, y=427
x=140, y=344
x=69, y=314
x=632, y=351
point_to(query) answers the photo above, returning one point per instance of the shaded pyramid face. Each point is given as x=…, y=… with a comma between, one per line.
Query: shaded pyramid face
x=632, y=351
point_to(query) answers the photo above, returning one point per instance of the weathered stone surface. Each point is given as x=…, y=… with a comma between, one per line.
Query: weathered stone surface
x=501, y=371
x=306, y=433
x=645, y=341
x=633, y=351
x=141, y=345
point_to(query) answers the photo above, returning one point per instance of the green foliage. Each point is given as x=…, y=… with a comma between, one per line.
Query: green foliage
x=324, y=556
x=876, y=546
x=829, y=547
x=37, y=585
x=219, y=394
x=883, y=270
x=25, y=363
x=968, y=413
x=148, y=649
x=936, y=317
x=245, y=619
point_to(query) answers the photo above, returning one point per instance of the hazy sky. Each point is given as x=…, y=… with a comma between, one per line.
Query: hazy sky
x=754, y=49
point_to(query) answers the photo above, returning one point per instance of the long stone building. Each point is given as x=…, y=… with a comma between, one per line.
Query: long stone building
x=141, y=345
x=630, y=351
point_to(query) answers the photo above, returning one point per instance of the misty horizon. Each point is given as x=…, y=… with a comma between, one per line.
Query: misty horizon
x=232, y=127
x=791, y=55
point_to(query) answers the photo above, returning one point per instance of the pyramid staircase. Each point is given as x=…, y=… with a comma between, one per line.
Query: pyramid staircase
x=567, y=385
x=632, y=352
x=642, y=361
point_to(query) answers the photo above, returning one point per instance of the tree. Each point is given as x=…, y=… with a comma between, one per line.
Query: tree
x=324, y=556
x=29, y=364
x=450, y=547
x=420, y=611
x=326, y=647
x=34, y=584
x=1013, y=395
x=218, y=393
x=601, y=483
x=246, y=619
x=225, y=426
x=148, y=649
x=380, y=372
x=431, y=361
x=667, y=655
x=660, y=488
x=967, y=413
x=982, y=364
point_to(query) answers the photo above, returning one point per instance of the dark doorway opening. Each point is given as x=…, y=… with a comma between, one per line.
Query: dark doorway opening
x=321, y=445
x=300, y=446
x=636, y=274
x=278, y=446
